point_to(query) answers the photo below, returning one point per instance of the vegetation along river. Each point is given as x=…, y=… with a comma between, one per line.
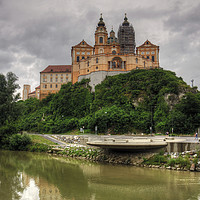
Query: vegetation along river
x=32, y=176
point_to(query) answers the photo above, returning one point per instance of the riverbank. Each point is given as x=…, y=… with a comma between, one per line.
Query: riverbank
x=158, y=158
x=184, y=161
x=75, y=146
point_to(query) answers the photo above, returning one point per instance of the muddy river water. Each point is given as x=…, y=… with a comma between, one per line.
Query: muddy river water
x=33, y=176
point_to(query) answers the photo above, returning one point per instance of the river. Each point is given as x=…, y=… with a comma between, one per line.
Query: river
x=33, y=176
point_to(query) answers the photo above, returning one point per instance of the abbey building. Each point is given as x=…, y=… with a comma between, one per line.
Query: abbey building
x=110, y=55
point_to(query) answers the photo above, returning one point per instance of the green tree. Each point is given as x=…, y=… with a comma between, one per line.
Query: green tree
x=8, y=107
x=8, y=98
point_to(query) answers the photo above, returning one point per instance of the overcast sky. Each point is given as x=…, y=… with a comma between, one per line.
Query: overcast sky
x=38, y=33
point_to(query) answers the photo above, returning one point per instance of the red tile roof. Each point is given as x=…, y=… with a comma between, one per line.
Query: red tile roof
x=32, y=92
x=57, y=69
x=38, y=87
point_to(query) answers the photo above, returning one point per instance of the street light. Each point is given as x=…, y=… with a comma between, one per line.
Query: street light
x=151, y=127
x=106, y=123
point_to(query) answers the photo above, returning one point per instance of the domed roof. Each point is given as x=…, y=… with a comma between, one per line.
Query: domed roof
x=125, y=23
x=101, y=22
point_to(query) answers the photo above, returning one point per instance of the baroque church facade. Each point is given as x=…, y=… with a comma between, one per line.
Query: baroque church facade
x=112, y=55
x=109, y=56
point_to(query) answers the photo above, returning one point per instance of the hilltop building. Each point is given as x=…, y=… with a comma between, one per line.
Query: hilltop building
x=109, y=56
x=53, y=77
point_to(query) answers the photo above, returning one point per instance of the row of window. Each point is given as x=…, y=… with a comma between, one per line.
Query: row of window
x=51, y=86
x=56, y=79
x=54, y=74
x=83, y=53
x=153, y=52
x=78, y=58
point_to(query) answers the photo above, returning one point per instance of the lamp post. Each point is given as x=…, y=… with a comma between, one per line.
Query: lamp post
x=106, y=122
x=151, y=127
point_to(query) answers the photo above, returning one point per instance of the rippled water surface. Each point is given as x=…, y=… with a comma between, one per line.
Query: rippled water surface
x=31, y=176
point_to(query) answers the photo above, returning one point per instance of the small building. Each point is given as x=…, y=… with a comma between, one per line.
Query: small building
x=52, y=77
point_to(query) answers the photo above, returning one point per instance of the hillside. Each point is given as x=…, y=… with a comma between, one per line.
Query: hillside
x=131, y=102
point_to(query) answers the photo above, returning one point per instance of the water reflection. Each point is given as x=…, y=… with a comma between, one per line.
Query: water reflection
x=31, y=176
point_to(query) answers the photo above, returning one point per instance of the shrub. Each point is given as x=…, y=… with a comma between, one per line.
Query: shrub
x=19, y=142
x=171, y=162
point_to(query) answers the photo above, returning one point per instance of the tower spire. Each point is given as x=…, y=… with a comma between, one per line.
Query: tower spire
x=125, y=23
x=101, y=22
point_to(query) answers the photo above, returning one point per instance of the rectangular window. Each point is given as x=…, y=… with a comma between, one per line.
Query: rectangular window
x=83, y=53
x=147, y=52
x=78, y=53
x=147, y=57
x=153, y=58
x=61, y=79
x=153, y=52
x=88, y=53
x=142, y=53
x=56, y=79
x=66, y=79
x=51, y=86
x=77, y=58
x=51, y=80
x=56, y=86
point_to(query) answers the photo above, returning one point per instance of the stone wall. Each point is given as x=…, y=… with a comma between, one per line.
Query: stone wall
x=98, y=77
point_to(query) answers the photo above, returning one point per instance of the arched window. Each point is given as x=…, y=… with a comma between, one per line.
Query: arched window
x=88, y=63
x=114, y=52
x=77, y=58
x=101, y=40
x=83, y=57
x=117, y=62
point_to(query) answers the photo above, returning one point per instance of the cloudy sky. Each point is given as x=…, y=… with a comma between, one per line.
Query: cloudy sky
x=38, y=33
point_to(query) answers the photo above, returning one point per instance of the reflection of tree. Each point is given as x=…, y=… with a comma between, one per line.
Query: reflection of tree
x=10, y=180
x=68, y=178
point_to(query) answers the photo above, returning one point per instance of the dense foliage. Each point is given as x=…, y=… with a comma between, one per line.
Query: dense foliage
x=9, y=110
x=139, y=101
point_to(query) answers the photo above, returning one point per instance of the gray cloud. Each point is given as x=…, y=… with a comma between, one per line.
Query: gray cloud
x=37, y=33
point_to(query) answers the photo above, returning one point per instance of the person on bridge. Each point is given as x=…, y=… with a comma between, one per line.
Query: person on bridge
x=196, y=135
